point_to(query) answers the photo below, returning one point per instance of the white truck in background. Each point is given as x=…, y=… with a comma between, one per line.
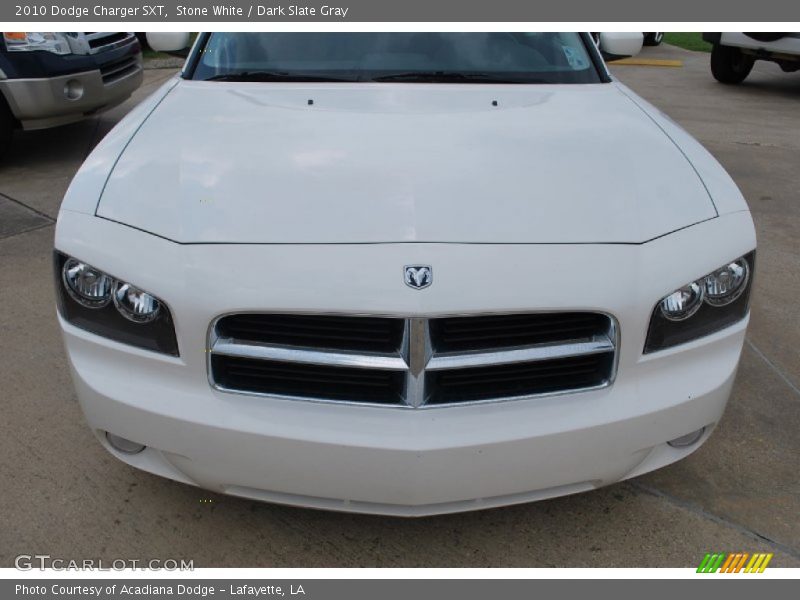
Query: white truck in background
x=734, y=54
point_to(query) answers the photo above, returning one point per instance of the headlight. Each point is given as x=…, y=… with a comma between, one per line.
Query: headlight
x=86, y=285
x=683, y=303
x=135, y=304
x=135, y=316
x=725, y=285
x=26, y=41
x=701, y=307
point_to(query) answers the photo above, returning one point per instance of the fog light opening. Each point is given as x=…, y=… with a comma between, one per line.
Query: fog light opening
x=73, y=90
x=124, y=445
x=690, y=439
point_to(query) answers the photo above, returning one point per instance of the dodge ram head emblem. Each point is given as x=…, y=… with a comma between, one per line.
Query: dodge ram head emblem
x=418, y=276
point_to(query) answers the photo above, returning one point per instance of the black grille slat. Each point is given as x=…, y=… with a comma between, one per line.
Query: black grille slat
x=525, y=379
x=494, y=321
x=463, y=334
x=302, y=338
x=515, y=328
x=112, y=38
x=322, y=332
x=509, y=372
x=530, y=337
x=364, y=334
x=301, y=380
x=117, y=70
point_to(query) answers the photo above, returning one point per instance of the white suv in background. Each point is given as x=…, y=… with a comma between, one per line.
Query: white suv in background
x=734, y=54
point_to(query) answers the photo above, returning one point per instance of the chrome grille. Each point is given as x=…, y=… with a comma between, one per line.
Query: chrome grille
x=413, y=362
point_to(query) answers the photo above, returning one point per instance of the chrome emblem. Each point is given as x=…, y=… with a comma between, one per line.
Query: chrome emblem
x=418, y=276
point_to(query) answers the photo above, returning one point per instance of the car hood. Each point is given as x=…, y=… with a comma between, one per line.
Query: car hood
x=370, y=163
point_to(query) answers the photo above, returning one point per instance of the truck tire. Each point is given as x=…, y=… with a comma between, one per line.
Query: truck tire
x=653, y=38
x=729, y=64
x=7, y=126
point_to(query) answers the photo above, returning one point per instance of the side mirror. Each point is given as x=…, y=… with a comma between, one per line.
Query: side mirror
x=617, y=44
x=170, y=42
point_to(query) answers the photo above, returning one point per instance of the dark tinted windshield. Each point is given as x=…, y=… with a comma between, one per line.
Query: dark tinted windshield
x=400, y=57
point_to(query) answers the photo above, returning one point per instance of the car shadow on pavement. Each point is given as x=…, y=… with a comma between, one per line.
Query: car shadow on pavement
x=45, y=147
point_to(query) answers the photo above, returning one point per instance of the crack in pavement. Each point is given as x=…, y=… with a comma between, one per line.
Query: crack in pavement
x=697, y=510
x=707, y=142
x=24, y=231
x=26, y=207
x=775, y=368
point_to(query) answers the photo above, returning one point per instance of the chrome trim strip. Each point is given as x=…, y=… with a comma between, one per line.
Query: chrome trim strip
x=539, y=352
x=232, y=347
x=417, y=352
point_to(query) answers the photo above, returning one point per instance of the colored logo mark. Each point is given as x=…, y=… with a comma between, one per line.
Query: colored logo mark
x=719, y=562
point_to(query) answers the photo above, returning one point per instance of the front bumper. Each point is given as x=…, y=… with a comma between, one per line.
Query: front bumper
x=52, y=101
x=396, y=461
x=787, y=47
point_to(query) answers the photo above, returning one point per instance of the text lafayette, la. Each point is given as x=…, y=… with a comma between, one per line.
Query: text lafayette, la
x=210, y=590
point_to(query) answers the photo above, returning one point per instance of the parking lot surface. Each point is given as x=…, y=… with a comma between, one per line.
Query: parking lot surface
x=63, y=495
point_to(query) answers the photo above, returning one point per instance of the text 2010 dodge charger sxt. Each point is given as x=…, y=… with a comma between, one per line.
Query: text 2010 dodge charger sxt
x=401, y=273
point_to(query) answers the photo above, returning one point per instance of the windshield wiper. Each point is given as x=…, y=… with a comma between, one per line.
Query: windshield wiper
x=451, y=77
x=408, y=76
x=274, y=76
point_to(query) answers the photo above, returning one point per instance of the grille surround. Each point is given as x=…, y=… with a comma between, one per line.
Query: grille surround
x=420, y=365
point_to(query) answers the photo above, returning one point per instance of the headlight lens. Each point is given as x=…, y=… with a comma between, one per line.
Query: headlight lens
x=702, y=307
x=135, y=304
x=85, y=284
x=724, y=285
x=26, y=41
x=683, y=303
x=135, y=316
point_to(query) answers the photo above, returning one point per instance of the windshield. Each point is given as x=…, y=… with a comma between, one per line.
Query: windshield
x=542, y=57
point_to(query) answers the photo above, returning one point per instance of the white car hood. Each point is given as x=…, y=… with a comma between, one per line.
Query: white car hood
x=369, y=163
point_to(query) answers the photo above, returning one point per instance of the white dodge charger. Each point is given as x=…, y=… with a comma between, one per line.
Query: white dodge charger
x=401, y=273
